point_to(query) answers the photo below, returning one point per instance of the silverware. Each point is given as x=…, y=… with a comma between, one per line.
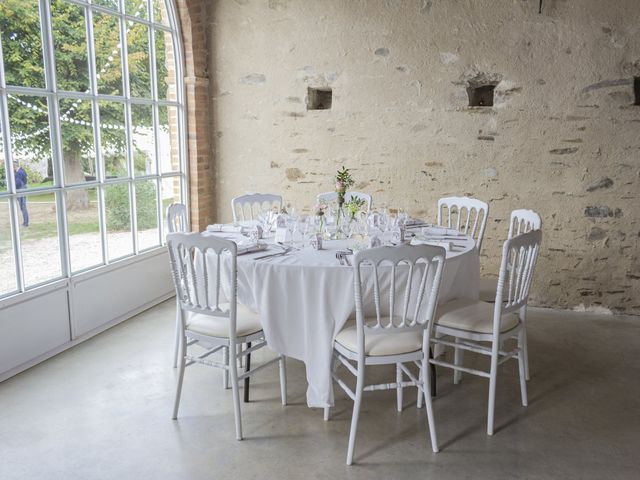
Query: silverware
x=339, y=257
x=277, y=254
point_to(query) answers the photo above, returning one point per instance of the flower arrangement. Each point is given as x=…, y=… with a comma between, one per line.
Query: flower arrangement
x=353, y=206
x=343, y=182
x=319, y=210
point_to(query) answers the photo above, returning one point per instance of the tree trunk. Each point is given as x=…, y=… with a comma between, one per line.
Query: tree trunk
x=76, y=199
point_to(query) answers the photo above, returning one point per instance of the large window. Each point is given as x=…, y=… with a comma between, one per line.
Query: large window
x=91, y=134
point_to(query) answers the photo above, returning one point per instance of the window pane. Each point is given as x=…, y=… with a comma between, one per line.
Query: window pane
x=7, y=258
x=119, y=239
x=85, y=245
x=138, y=58
x=147, y=214
x=107, y=3
x=70, y=46
x=171, y=193
x=22, y=43
x=168, y=139
x=40, y=246
x=165, y=66
x=106, y=34
x=78, y=151
x=113, y=138
x=159, y=12
x=144, y=154
x=28, y=116
x=137, y=8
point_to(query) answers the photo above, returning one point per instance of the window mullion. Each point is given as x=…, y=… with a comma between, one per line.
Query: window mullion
x=128, y=127
x=55, y=134
x=95, y=112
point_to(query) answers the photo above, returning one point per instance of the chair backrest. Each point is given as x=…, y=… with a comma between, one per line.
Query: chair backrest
x=523, y=221
x=197, y=270
x=519, y=257
x=248, y=207
x=327, y=197
x=403, y=282
x=332, y=197
x=177, y=218
x=362, y=196
x=465, y=214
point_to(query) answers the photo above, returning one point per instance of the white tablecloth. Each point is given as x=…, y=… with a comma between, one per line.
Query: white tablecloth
x=305, y=298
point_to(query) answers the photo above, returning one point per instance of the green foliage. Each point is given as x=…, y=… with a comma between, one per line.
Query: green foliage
x=117, y=206
x=354, y=205
x=3, y=178
x=23, y=59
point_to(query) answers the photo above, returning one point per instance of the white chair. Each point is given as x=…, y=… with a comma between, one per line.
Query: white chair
x=522, y=221
x=465, y=214
x=399, y=331
x=332, y=197
x=206, y=321
x=470, y=322
x=177, y=222
x=248, y=207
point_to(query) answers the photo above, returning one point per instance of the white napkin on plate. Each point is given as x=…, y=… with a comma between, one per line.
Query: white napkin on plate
x=418, y=241
x=250, y=247
x=225, y=228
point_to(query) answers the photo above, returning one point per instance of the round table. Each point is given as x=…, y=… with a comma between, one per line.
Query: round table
x=304, y=299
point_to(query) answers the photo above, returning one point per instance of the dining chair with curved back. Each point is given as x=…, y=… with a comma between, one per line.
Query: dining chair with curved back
x=331, y=197
x=177, y=222
x=465, y=214
x=521, y=221
x=402, y=283
x=249, y=206
x=207, y=319
x=472, y=323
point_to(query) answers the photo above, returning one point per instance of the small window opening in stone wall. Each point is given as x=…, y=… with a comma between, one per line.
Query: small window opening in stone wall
x=319, y=98
x=481, y=95
x=636, y=90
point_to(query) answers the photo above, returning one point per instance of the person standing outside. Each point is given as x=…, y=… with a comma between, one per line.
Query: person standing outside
x=21, y=183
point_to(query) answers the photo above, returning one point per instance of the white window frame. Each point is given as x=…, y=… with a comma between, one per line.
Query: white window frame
x=53, y=95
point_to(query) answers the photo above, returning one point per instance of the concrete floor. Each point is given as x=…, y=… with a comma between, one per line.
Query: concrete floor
x=102, y=411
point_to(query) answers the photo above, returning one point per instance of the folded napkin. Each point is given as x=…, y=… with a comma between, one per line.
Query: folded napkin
x=251, y=247
x=440, y=231
x=226, y=228
x=418, y=241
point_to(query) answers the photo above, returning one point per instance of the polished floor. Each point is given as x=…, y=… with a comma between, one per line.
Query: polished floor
x=102, y=411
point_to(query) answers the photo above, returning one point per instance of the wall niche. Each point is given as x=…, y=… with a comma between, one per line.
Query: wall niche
x=319, y=98
x=481, y=95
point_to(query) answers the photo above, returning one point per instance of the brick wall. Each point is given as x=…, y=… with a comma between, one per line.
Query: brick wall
x=193, y=15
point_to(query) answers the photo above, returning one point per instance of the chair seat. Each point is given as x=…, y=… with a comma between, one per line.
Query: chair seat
x=472, y=316
x=247, y=322
x=381, y=344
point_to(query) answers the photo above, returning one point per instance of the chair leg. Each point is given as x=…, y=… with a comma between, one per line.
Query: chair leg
x=356, y=412
x=525, y=351
x=426, y=374
x=457, y=360
x=233, y=367
x=492, y=386
x=522, y=367
x=225, y=373
x=247, y=366
x=283, y=379
x=399, y=387
x=176, y=403
x=177, y=347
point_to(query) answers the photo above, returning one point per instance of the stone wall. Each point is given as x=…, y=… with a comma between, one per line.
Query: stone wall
x=562, y=136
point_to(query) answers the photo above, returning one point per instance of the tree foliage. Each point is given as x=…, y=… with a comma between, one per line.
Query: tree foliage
x=23, y=61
